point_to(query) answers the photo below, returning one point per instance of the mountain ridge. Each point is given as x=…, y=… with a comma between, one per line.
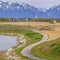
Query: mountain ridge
x=23, y=10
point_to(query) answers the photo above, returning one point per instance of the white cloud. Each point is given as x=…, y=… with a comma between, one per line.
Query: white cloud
x=38, y=3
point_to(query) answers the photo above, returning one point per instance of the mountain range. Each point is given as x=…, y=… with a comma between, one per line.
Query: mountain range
x=23, y=10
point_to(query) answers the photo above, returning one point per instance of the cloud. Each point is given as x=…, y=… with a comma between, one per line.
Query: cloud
x=38, y=3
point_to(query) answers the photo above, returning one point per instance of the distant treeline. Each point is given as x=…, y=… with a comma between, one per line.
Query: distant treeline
x=28, y=20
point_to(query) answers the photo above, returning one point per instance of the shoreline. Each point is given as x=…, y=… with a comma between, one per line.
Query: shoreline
x=9, y=56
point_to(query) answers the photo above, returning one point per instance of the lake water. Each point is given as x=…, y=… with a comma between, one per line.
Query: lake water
x=6, y=42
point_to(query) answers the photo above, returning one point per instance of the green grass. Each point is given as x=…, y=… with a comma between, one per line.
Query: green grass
x=30, y=36
x=48, y=50
x=2, y=59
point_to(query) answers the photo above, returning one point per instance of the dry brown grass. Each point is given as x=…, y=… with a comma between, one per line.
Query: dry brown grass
x=52, y=34
x=2, y=55
x=26, y=23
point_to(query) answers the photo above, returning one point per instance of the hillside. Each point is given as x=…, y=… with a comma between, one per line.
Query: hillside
x=48, y=50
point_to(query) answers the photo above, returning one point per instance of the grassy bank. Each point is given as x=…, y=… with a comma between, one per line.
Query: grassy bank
x=30, y=36
x=48, y=50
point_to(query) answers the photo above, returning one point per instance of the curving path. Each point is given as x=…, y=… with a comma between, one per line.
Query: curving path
x=26, y=51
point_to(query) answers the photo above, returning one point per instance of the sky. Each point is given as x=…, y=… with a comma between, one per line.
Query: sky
x=38, y=3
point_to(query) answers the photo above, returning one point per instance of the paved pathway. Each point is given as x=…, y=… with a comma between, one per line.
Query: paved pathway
x=26, y=51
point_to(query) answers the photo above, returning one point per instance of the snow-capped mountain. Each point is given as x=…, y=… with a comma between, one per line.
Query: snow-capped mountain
x=23, y=10
x=53, y=12
x=17, y=10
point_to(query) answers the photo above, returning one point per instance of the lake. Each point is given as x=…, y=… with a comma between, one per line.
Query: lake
x=6, y=42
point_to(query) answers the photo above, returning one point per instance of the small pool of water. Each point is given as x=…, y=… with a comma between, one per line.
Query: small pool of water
x=6, y=42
